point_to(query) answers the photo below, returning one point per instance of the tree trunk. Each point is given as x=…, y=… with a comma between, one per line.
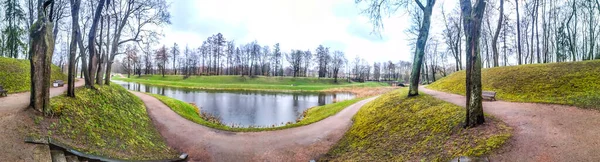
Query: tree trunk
x=497, y=33
x=92, y=42
x=420, y=50
x=73, y=48
x=472, y=25
x=40, y=58
x=519, y=56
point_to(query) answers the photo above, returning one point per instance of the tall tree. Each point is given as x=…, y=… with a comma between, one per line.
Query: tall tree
x=75, y=34
x=174, y=53
x=13, y=31
x=295, y=60
x=337, y=63
x=374, y=12
x=497, y=34
x=519, y=55
x=276, y=59
x=162, y=57
x=92, y=45
x=472, y=19
x=138, y=15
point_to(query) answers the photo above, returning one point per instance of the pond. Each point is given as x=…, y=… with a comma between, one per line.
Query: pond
x=246, y=108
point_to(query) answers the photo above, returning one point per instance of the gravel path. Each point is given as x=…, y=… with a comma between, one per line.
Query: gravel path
x=542, y=132
x=207, y=144
x=15, y=123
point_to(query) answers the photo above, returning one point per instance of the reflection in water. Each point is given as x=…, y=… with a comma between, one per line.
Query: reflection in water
x=246, y=108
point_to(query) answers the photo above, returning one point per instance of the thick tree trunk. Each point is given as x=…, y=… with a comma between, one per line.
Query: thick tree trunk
x=472, y=23
x=92, y=41
x=420, y=50
x=102, y=53
x=497, y=33
x=519, y=56
x=40, y=58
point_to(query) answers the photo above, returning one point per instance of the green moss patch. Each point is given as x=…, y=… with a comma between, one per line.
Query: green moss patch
x=108, y=122
x=422, y=128
x=229, y=82
x=568, y=83
x=311, y=115
x=15, y=74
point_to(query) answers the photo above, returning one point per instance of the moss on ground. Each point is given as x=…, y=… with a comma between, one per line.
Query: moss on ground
x=108, y=122
x=15, y=74
x=311, y=115
x=568, y=83
x=422, y=128
x=230, y=82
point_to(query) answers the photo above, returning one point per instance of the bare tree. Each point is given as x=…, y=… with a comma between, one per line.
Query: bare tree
x=337, y=63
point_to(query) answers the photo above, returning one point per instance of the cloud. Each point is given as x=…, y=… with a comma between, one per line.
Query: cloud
x=294, y=24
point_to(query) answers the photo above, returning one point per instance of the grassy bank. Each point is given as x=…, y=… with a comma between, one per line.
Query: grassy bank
x=569, y=83
x=422, y=128
x=311, y=115
x=109, y=122
x=15, y=74
x=247, y=83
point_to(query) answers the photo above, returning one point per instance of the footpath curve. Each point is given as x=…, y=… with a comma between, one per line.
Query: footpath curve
x=14, y=123
x=207, y=144
x=542, y=132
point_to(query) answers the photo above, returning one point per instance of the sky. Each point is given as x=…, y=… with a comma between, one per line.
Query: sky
x=295, y=24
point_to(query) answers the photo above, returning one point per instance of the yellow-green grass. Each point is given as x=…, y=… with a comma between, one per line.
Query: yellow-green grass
x=15, y=74
x=230, y=82
x=311, y=115
x=422, y=128
x=569, y=83
x=108, y=122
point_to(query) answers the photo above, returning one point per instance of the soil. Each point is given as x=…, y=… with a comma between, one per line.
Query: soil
x=542, y=132
x=16, y=122
x=206, y=144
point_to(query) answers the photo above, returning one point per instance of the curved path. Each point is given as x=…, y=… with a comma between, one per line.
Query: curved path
x=542, y=132
x=15, y=123
x=207, y=144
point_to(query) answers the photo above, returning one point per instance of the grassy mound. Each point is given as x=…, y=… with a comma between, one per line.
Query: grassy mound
x=569, y=83
x=109, y=122
x=230, y=82
x=422, y=128
x=15, y=76
x=311, y=115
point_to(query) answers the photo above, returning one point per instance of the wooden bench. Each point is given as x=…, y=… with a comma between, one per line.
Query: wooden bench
x=60, y=83
x=3, y=92
x=489, y=95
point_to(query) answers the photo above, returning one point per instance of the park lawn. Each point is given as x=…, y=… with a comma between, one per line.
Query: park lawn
x=311, y=115
x=15, y=74
x=230, y=82
x=422, y=128
x=567, y=83
x=109, y=122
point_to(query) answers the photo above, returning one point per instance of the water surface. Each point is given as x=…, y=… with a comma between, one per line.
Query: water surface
x=245, y=108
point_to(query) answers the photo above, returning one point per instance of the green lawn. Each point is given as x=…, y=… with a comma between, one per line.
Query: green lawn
x=422, y=128
x=247, y=83
x=109, y=122
x=569, y=83
x=311, y=115
x=15, y=74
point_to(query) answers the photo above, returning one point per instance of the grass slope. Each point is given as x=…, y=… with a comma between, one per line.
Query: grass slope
x=109, y=122
x=230, y=82
x=422, y=128
x=15, y=74
x=569, y=83
x=311, y=115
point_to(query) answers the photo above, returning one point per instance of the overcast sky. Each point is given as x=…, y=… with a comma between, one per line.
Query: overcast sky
x=295, y=24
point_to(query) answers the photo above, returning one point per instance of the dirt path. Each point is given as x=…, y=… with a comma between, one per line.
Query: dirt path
x=15, y=123
x=542, y=132
x=207, y=144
